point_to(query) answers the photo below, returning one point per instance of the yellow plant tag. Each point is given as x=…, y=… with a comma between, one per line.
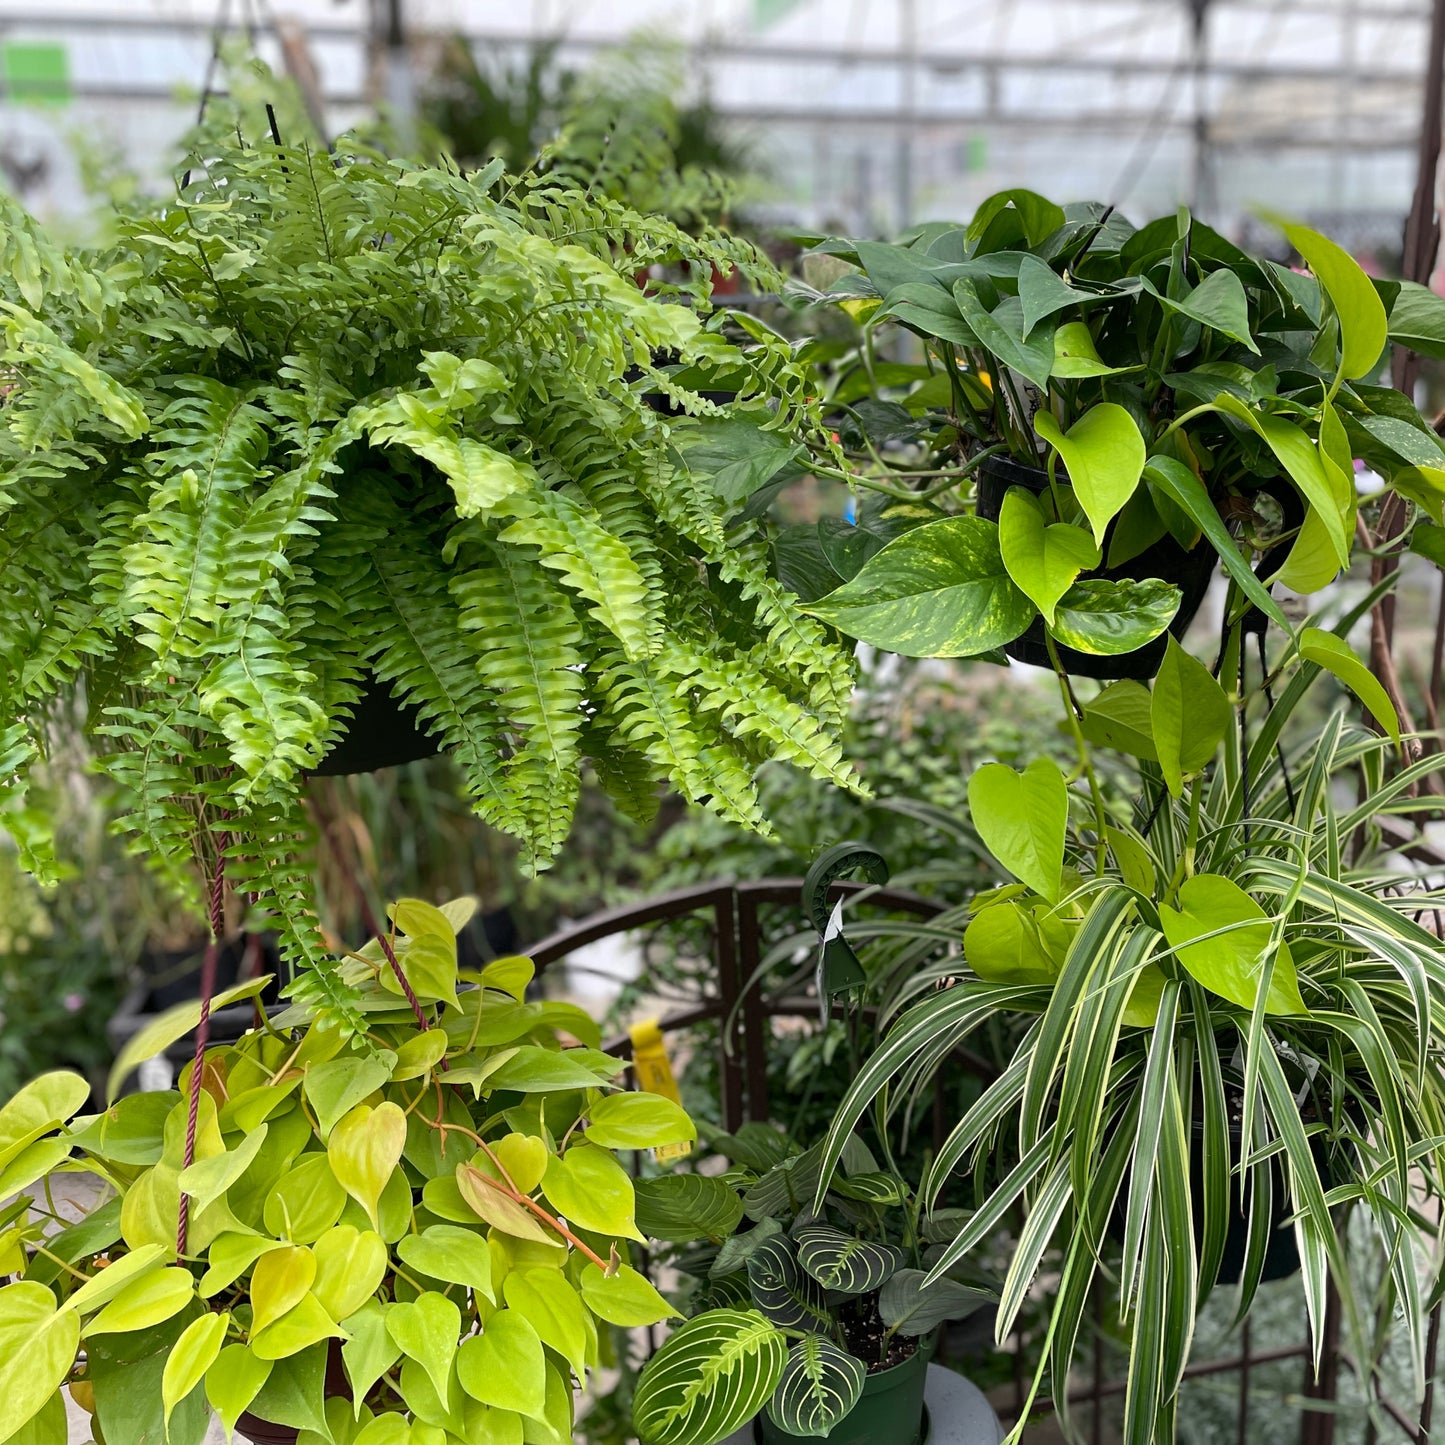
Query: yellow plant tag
x=655, y=1076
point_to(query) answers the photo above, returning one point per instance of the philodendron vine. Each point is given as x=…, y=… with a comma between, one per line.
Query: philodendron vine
x=1166, y=385
x=442, y=1205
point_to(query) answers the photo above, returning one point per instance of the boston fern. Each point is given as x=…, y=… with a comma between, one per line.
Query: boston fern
x=324, y=422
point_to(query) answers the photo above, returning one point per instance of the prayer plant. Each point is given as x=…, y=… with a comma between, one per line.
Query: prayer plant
x=397, y=1212
x=1100, y=412
x=795, y=1311
x=327, y=423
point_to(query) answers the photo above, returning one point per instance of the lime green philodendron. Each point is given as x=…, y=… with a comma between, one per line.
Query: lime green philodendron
x=439, y=1208
x=794, y=1312
x=1232, y=1015
x=1163, y=387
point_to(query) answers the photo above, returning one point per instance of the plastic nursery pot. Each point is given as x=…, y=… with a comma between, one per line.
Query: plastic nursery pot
x=382, y=734
x=889, y=1411
x=1190, y=571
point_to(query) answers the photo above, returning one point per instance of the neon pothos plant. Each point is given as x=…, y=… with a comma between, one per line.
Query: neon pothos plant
x=1236, y=1004
x=445, y=1214
x=1160, y=385
x=321, y=424
x=799, y=1308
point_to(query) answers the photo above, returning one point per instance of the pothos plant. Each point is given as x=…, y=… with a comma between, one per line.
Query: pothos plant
x=322, y=424
x=440, y=1216
x=1098, y=410
x=793, y=1313
x=1232, y=1001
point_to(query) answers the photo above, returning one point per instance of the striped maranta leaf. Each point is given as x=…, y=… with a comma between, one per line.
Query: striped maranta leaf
x=911, y=1307
x=820, y=1384
x=782, y=1291
x=840, y=1262
x=787, y=1187
x=684, y=1207
x=712, y=1375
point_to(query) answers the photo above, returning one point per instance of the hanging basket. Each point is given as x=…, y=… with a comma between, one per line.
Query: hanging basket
x=1191, y=571
x=383, y=733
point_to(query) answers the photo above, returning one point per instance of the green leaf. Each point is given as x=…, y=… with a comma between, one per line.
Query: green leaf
x=1104, y=455
x=1335, y=655
x=233, y=1381
x=819, y=1385
x=535, y=1070
x=1189, y=716
x=37, y=1349
x=126, y=1371
x=1218, y=302
x=42, y=1105
x=1417, y=319
x=304, y=1325
x=427, y=1330
x=940, y=590
x=782, y=1290
x=1428, y=540
x=683, y=1207
x=105, y=1284
x=194, y=1353
x=158, y=1035
x=350, y=1266
x=1300, y=458
x=509, y=975
x=590, y=1188
x=638, y=1120
x=548, y=1303
x=370, y=1352
x=1425, y=486
x=447, y=1252
x=505, y=1366
x=911, y=1307
x=208, y=1179
x=279, y=1282
x=1183, y=488
x=1003, y=943
x=1107, y=618
x=294, y=1391
x=1033, y=358
x=1022, y=819
x=1225, y=939
x=1043, y=292
x=419, y=1055
x=229, y=1257
x=48, y=1426
x=306, y=1202
x=364, y=1150
x=710, y=1377
x=627, y=1299
x=1076, y=357
x=1120, y=717
x=736, y=456
x=1042, y=559
x=338, y=1086
x=1136, y=866
x=1364, y=328
x=145, y=1302
x=1313, y=561
x=487, y=1199
x=842, y=1263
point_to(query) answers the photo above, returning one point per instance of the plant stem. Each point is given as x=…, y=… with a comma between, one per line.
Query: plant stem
x=1086, y=762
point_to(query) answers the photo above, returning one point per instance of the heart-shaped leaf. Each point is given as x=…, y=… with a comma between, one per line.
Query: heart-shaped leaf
x=524, y=1157
x=279, y=1283
x=37, y=1349
x=590, y=1188
x=1042, y=558
x=307, y=1201
x=1022, y=819
x=426, y=1330
x=489, y=1200
x=1043, y=292
x=370, y=1352
x=194, y=1353
x=1335, y=655
x=1364, y=327
x=1120, y=718
x=1003, y=944
x=230, y=1256
x=554, y=1309
x=819, y=1385
x=145, y=1302
x=1224, y=938
x=105, y=1284
x=350, y=1265
x=782, y=1290
x=1107, y=618
x=505, y=1366
x=233, y=1382
x=364, y=1150
x=1002, y=333
x=304, y=1325
x=336, y=1088
x=638, y=1120
x=42, y=1105
x=447, y=1252
x=939, y=590
x=1104, y=454
x=1188, y=715
x=627, y=1298
x=912, y=1307
x=1076, y=356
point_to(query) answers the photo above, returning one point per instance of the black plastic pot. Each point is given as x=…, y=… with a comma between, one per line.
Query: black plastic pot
x=383, y=733
x=1190, y=571
x=889, y=1411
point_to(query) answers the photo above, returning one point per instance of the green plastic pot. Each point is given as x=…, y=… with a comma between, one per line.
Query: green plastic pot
x=889, y=1411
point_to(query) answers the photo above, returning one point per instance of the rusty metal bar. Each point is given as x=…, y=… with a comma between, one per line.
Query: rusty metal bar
x=1246, y=1360
x=754, y=1019
x=1317, y=1427
x=730, y=1074
x=1432, y=1352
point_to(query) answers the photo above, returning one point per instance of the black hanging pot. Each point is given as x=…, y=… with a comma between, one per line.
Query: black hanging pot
x=1191, y=571
x=383, y=733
